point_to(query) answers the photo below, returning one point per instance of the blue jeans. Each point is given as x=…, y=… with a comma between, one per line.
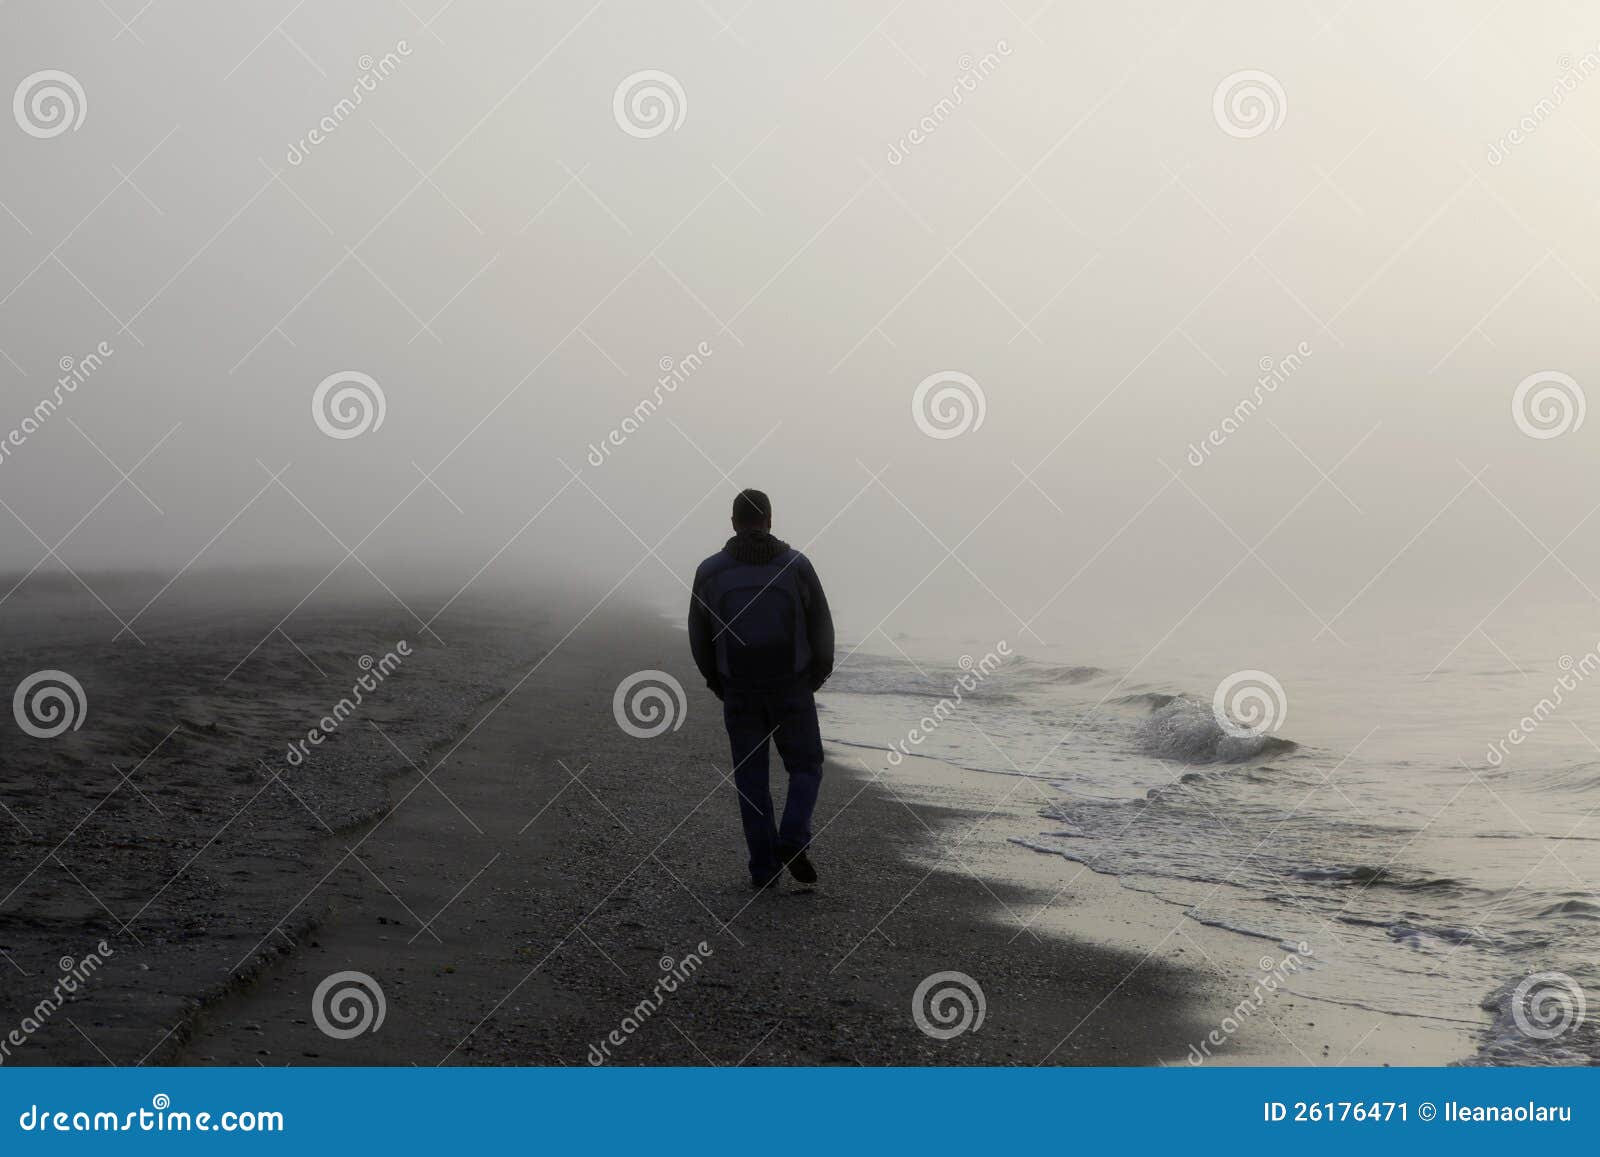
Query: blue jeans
x=787, y=716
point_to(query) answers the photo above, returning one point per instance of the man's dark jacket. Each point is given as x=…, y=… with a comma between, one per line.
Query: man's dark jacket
x=758, y=618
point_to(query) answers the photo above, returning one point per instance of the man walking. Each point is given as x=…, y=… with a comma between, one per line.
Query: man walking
x=762, y=636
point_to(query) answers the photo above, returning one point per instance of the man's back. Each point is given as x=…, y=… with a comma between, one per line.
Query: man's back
x=758, y=616
x=762, y=637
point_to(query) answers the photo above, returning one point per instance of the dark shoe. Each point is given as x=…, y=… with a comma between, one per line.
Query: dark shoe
x=798, y=863
x=767, y=881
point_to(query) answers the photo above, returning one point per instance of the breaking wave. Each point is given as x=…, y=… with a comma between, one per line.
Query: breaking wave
x=1186, y=730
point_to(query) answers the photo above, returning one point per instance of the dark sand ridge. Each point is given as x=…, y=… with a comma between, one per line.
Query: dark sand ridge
x=169, y=825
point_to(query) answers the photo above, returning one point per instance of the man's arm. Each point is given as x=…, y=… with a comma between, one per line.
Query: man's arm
x=819, y=624
x=702, y=638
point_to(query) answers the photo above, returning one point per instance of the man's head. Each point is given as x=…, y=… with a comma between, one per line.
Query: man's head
x=752, y=510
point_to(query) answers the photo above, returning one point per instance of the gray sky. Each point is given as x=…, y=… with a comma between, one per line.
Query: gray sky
x=1088, y=235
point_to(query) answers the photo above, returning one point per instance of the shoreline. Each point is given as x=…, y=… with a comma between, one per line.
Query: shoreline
x=582, y=860
x=518, y=905
x=1076, y=901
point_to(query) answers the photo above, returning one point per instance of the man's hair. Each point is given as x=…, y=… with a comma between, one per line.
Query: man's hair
x=751, y=508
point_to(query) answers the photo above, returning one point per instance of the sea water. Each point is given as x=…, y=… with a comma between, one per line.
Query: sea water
x=1434, y=866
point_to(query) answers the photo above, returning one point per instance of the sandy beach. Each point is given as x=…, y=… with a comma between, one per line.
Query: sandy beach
x=1139, y=454
x=516, y=873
